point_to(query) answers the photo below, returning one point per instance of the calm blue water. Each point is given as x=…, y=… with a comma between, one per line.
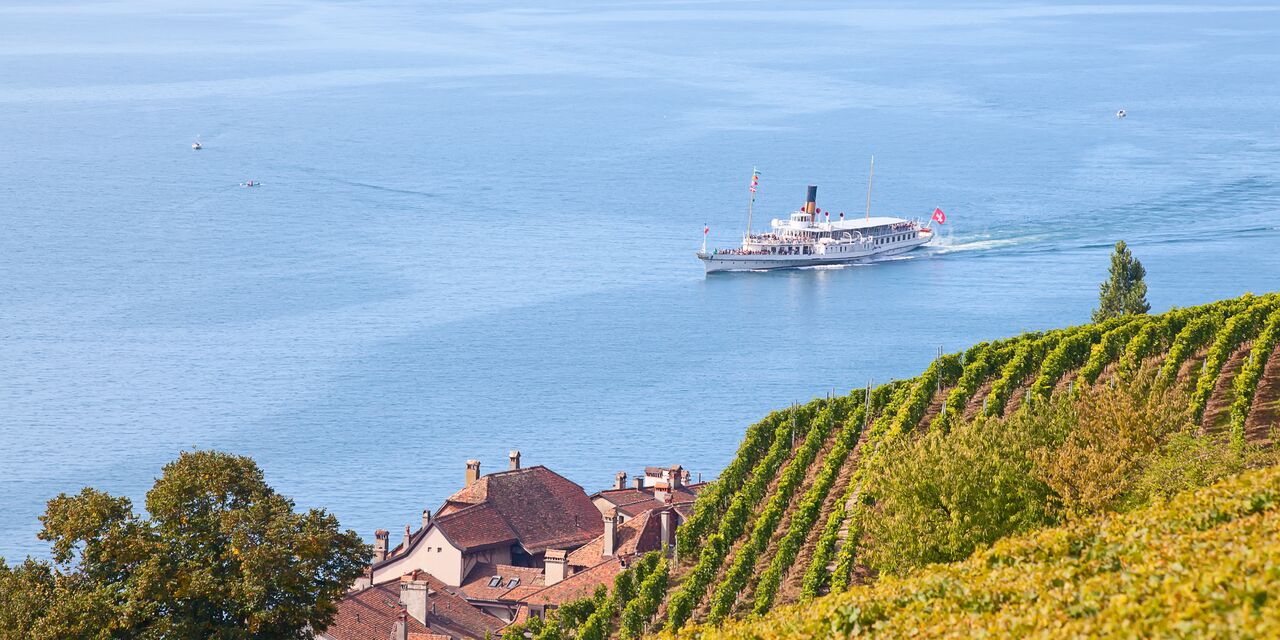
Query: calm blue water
x=476, y=226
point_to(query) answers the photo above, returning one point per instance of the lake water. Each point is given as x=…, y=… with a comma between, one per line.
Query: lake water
x=476, y=224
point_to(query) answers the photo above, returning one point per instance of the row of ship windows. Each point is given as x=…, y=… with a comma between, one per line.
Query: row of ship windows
x=897, y=238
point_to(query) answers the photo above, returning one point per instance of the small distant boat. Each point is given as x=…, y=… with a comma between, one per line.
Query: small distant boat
x=1121, y=113
x=196, y=146
x=251, y=183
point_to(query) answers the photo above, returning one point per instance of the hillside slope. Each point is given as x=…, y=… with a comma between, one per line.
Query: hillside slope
x=1206, y=564
x=796, y=514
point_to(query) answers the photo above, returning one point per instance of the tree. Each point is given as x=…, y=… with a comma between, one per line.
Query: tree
x=219, y=555
x=1126, y=291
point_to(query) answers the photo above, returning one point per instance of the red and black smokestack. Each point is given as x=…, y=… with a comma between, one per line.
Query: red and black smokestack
x=811, y=203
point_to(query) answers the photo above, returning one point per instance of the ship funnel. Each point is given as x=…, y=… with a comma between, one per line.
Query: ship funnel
x=811, y=203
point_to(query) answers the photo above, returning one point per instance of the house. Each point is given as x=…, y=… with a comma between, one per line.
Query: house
x=506, y=519
x=415, y=607
x=516, y=543
x=651, y=491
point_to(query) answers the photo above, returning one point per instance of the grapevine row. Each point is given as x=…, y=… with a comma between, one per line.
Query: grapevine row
x=845, y=557
x=1026, y=356
x=1246, y=384
x=803, y=519
x=715, y=498
x=941, y=373
x=731, y=527
x=726, y=594
x=1237, y=330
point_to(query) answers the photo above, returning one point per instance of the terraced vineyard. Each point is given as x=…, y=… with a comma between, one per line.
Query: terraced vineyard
x=781, y=524
x=1204, y=567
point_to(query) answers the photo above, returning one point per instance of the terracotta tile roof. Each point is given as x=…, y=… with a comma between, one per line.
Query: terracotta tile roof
x=543, y=508
x=476, y=527
x=476, y=587
x=370, y=614
x=622, y=498
x=638, y=535
x=451, y=614
x=522, y=615
x=579, y=585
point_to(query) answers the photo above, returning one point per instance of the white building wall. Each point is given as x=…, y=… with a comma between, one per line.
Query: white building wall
x=435, y=555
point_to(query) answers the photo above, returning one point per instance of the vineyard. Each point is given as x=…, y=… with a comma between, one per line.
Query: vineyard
x=788, y=519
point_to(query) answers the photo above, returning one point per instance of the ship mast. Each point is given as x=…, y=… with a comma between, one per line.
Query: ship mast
x=869, y=180
x=755, y=176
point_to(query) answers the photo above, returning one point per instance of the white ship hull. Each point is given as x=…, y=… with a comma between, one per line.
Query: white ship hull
x=714, y=262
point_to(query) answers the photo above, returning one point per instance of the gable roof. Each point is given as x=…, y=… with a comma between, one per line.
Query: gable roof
x=476, y=586
x=452, y=614
x=640, y=534
x=543, y=508
x=476, y=527
x=370, y=614
x=579, y=585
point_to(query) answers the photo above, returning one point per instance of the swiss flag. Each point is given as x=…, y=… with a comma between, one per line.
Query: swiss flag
x=938, y=216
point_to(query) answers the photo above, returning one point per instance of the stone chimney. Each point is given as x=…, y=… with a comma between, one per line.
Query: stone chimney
x=407, y=534
x=514, y=457
x=677, y=476
x=665, y=520
x=380, y=538
x=400, y=630
x=557, y=564
x=610, y=532
x=473, y=471
x=638, y=482
x=426, y=519
x=661, y=492
x=620, y=480
x=413, y=595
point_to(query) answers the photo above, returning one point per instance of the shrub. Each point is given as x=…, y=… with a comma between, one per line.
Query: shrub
x=939, y=497
x=1114, y=428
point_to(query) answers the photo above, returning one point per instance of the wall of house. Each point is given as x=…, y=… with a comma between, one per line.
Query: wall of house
x=500, y=555
x=434, y=554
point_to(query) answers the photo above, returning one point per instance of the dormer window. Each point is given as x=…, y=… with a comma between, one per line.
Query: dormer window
x=495, y=581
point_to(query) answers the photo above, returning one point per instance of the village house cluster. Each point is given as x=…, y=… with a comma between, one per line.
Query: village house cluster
x=507, y=546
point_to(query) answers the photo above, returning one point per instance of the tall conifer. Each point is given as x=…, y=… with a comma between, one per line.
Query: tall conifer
x=1125, y=292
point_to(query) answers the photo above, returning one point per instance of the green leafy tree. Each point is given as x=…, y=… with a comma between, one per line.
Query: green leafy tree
x=1125, y=292
x=220, y=555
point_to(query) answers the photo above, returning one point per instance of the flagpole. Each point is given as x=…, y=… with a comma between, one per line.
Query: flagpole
x=869, y=181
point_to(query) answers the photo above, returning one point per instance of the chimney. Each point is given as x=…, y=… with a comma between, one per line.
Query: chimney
x=426, y=519
x=380, y=538
x=556, y=561
x=620, y=480
x=610, y=532
x=638, y=482
x=661, y=492
x=473, y=471
x=665, y=518
x=514, y=457
x=677, y=476
x=413, y=595
x=811, y=203
x=400, y=630
x=405, y=548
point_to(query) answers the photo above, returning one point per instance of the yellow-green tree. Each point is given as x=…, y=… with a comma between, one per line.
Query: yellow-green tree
x=218, y=555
